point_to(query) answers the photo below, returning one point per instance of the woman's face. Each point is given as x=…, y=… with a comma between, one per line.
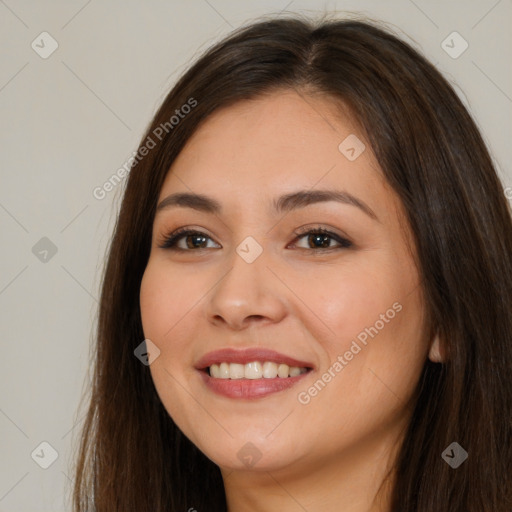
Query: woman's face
x=343, y=309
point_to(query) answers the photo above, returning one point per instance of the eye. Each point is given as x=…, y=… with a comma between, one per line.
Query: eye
x=197, y=240
x=320, y=238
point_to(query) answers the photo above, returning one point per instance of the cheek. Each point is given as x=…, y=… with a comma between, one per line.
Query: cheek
x=165, y=299
x=345, y=303
x=170, y=301
x=373, y=319
x=372, y=369
x=153, y=302
x=378, y=298
x=161, y=308
x=163, y=313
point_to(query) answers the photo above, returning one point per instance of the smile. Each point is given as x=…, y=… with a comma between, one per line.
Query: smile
x=250, y=373
x=254, y=370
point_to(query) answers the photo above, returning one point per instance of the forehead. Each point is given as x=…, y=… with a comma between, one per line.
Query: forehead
x=273, y=145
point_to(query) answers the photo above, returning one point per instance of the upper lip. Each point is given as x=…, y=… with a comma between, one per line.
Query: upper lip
x=248, y=355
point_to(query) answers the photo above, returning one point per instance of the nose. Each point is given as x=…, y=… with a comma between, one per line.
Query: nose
x=248, y=293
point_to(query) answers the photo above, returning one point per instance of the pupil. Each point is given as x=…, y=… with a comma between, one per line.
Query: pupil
x=321, y=236
x=196, y=237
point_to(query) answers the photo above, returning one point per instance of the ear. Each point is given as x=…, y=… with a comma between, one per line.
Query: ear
x=436, y=353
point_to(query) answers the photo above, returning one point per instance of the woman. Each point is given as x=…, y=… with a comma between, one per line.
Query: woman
x=307, y=299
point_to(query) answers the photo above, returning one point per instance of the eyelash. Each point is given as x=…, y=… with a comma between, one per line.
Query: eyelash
x=169, y=241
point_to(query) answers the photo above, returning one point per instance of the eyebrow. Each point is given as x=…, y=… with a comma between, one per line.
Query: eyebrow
x=285, y=203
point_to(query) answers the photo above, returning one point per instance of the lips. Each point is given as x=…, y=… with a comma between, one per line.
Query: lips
x=244, y=356
x=245, y=388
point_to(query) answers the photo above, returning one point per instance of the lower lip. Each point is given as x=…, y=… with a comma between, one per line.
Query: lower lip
x=249, y=388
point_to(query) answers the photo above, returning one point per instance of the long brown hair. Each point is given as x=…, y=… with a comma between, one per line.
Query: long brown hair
x=133, y=457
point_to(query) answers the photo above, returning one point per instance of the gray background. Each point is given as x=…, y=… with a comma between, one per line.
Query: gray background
x=69, y=121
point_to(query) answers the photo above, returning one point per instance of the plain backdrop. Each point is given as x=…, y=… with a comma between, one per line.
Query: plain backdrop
x=70, y=120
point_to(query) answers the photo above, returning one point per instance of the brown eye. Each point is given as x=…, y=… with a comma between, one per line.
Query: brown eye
x=196, y=240
x=322, y=238
x=193, y=240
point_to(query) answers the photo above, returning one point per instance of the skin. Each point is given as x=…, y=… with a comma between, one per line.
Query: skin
x=297, y=298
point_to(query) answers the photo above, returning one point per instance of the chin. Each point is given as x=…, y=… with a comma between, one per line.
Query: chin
x=254, y=453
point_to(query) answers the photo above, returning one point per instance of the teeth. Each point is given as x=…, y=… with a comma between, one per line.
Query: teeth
x=254, y=370
x=236, y=371
x=215, y=371
x=282, y=370
x=269, y=370
x=294, y=371
x=224, y=371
